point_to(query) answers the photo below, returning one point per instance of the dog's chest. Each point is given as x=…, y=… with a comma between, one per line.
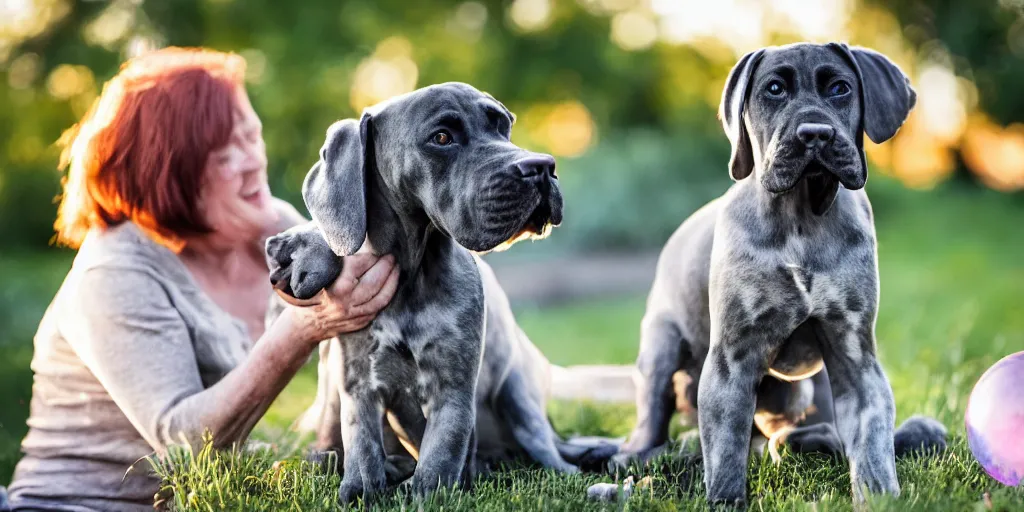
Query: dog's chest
x=393, y=365
x=409, y=350
x=818, y=262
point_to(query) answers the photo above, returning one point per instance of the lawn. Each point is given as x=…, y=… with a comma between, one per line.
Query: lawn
x=952, y=270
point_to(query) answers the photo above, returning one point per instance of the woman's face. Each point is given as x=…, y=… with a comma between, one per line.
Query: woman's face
x=235, y=197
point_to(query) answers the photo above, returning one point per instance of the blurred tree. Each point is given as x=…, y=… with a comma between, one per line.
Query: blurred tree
x=587, y=79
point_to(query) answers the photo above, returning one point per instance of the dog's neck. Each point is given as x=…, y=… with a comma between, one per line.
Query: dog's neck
x=397, y=229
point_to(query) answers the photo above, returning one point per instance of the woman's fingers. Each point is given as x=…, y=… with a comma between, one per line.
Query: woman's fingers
x=371, y=282
x=381, y=299
x=352, y=269
x=366, y=285
x=356, y=323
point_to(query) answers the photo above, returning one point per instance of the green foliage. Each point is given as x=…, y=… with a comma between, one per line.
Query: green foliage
x=974, y=33
x=658, y=150
x=631, y=191
x=306, y=59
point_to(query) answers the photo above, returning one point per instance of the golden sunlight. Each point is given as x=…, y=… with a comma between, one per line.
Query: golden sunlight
x=23, y=19
x=111, y=26
x=67, y=81
x=939, y=103
x=994, y=153
x=565, y=129
x=919, y=158
x=530, y=15
x=389, y=72
x=634, y=30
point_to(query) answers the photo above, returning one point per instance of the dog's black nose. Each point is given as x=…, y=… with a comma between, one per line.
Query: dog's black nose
x=536, y=165
x=815, y=135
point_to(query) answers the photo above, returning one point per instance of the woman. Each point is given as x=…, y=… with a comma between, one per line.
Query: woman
x=157, y=334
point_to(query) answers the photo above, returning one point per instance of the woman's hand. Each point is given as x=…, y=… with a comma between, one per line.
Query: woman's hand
x=366, y=285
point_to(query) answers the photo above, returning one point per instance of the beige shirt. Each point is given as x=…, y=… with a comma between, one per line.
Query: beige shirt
x=122, y=357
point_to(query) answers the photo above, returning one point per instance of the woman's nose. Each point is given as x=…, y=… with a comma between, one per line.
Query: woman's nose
x=255, y=156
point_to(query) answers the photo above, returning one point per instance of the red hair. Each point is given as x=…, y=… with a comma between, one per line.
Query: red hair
x=139, y=153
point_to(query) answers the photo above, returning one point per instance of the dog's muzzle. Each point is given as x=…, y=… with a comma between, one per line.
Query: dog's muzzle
x=539, y=170
x=521, y=202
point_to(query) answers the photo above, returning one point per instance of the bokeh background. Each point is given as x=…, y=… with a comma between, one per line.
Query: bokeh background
x=624, y=93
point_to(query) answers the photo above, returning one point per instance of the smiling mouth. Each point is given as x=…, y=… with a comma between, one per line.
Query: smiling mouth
x=253, y=197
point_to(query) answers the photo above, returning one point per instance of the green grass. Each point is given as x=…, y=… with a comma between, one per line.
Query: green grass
x=952, y=273
x=230, y=480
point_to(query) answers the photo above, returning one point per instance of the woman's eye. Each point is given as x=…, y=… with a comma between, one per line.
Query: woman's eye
x=839, y=89
x=442, y=138
x=776, y=88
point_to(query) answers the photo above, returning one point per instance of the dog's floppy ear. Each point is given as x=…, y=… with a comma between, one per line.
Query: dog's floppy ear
x=886, y=97
x=734, y=99
x=335, y=188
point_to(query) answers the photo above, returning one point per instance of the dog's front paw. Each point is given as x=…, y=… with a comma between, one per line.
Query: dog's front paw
x=350, y=490
x=727, y=504
x=919, y=434
x=326, y=460
x=873, y=478
x=367, y=485
x=426, y=482
x=300, y=261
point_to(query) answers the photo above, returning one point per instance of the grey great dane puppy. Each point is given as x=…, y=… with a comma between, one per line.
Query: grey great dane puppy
x=427, y=177
x=765, y=299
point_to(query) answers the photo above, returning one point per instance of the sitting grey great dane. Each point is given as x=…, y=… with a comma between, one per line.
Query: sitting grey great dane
x=427, y=177
x=765, y=299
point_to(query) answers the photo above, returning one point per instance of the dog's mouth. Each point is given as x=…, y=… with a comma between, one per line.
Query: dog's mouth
x=822, y=186
x=815, y=169
x=537, y=227
x=527, y=212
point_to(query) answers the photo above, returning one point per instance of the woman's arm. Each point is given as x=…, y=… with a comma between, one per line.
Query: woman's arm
x=125, y=328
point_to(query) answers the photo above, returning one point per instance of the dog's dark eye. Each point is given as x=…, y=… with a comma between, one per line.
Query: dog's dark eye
x=839, y=89
x=776, y=88
x=442, y=138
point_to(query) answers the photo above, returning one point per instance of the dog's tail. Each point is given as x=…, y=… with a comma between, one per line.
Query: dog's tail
x=597, y=383
x=594, y=383
x=588, y=453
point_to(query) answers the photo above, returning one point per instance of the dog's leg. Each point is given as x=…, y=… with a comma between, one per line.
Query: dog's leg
x=469, y=469
x=529, y=425
x=450, y=424
x=661, y=347
x=726, y=398
x=746, y=335
x=864, y=405
x=362, y=414
x=328, y=432
x=328, y=450
x=364, y=453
